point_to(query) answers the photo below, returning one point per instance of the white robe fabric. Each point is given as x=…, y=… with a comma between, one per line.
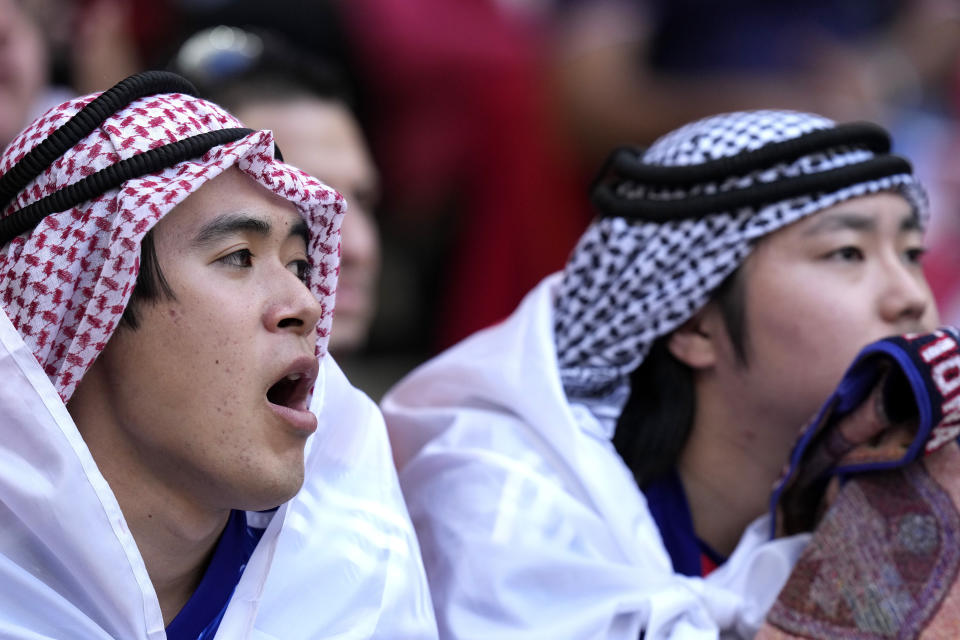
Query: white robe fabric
x=337, y=561
x=530, y=524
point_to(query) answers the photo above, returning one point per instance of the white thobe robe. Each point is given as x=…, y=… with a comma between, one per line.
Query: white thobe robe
x=530, y=524
x=339, y=560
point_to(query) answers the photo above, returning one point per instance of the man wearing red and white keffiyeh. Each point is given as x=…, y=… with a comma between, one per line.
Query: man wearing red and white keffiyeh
x=181, y=458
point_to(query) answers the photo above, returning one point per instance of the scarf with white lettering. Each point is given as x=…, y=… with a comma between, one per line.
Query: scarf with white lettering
x=875, y=477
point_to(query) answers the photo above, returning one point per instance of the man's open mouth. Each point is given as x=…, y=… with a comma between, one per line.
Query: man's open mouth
x=293, y=388
x=290, y=391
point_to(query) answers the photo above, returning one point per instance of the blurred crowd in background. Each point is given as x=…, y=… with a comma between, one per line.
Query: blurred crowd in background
x=464, y=133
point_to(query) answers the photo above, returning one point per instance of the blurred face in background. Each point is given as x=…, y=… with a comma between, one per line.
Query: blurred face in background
x=324, y=139
x=23, y=67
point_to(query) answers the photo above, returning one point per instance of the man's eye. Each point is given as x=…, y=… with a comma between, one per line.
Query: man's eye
x=302, y=269
x=846, y=254
x=915, y=254
x=239, y=258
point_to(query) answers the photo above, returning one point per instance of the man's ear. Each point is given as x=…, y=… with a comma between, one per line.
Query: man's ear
x=694, y=342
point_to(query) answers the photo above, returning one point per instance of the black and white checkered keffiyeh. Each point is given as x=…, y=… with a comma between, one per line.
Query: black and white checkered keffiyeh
x=630, y=281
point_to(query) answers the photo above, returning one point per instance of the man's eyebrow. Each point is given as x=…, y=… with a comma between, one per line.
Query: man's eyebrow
x=229, y=224
x=233, y=223
x=840, y=222
x=300, y=228
x=911, y=222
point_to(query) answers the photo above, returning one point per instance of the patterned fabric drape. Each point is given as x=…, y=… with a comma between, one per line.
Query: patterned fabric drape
x=877, y=476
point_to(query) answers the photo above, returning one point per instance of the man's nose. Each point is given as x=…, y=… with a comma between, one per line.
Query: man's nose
x=907, y=299
x=293, y=306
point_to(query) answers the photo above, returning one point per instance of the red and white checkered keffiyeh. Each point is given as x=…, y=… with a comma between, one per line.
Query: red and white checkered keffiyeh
x=66, y=284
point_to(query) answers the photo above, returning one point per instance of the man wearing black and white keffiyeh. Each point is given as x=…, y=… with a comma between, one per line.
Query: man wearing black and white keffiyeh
x=599, y=464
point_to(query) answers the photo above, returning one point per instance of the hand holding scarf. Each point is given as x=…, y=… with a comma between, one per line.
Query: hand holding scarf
x=875, y=475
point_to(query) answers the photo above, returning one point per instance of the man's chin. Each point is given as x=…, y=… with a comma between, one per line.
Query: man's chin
x=10, y=125
x=349, y=334
x=273, y=494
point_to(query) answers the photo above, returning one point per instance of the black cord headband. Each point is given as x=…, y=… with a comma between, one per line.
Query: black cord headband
x=625, y=167
x=113, y=176
x=81, y=125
